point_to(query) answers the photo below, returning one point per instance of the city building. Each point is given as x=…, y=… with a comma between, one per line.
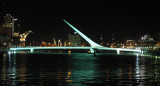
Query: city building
x=8, y=26
x=7, y=29
x=131, y=43
x=65, y=44
x=147, y=41
x=54, y=42
x=74, y=40
x=59, y=43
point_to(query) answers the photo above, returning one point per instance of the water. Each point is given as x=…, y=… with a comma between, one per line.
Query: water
x=78, y=69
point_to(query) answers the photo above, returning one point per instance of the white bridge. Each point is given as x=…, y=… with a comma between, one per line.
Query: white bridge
x=73, y=48
x=93, y=48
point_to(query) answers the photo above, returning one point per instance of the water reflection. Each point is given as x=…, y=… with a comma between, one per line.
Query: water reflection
x=140, y=70
x=77, y=69
x=3, y=69
x=152, y=69
x=137, y=68
x=83, y=70
x=8, y=71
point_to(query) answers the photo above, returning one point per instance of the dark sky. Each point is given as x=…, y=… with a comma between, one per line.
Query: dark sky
x=125, y=19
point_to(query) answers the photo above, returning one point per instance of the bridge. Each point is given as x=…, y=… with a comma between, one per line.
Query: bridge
x=94, y=46
x=92, y=50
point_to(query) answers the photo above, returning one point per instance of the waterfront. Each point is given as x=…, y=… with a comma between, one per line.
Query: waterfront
x=78, y=69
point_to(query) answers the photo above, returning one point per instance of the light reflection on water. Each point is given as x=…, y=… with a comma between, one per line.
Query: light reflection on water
x=78, y=69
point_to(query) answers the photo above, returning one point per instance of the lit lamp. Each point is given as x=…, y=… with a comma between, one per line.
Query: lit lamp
x=69, y=43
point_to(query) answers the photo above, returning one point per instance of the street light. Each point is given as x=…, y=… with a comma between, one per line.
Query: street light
x=69, y=43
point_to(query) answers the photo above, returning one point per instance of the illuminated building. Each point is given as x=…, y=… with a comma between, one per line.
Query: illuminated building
x=54, y=41
x=147, y=41
x=74, y=40
x=59, y=43
x=7, y=29
x=65, y=44
x=131, y=43
x=8, y=26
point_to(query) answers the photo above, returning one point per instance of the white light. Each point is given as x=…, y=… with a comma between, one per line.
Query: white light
x=137, y=55
x=15, y=19
x=75, y=32
x=9, y=52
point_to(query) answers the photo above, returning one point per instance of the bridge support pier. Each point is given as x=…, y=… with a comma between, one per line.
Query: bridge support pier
x=32, y=50
x=93, y=51
x=118, y=51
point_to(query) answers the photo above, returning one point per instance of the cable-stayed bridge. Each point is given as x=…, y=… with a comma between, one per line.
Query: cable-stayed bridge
x=94, y=46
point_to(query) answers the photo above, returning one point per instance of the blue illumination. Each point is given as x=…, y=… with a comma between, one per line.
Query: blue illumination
x=89, y=48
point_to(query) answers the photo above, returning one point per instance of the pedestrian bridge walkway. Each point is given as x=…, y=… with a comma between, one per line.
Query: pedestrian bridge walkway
x=72, y=48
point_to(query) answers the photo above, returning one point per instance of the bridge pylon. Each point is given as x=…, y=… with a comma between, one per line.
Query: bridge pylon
x=92, y=43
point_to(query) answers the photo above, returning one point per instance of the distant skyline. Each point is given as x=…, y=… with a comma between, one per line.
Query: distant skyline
x=127, y=20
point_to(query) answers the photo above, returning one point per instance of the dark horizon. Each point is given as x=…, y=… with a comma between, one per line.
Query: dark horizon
x=45, y=19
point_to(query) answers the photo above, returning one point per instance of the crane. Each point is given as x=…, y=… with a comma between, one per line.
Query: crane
x=23, y=37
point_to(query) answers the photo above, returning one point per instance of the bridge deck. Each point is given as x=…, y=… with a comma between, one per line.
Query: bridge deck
x=121, y=49
x=89, y=48
x=38, y=48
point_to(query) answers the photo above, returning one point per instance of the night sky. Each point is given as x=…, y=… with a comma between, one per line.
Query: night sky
x=125, y=19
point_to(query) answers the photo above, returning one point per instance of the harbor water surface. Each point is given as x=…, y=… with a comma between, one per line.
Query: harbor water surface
x=78, y=69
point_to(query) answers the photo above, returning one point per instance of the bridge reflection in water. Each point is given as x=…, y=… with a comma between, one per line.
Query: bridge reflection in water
x=79, y=70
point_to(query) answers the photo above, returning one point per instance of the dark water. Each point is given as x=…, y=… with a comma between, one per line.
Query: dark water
x=78, y=69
